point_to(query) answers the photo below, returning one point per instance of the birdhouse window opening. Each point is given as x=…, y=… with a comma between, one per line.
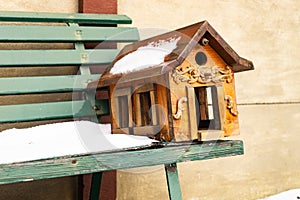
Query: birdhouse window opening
x=145, y=100
x=121, y=108
x=207, y=107
x=123, y=111
x=144, y=105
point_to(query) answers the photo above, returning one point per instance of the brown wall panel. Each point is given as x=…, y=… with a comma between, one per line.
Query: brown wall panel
x=98, y=6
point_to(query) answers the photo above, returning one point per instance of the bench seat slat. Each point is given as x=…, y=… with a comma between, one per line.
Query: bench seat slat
x=45, y=84
x=104, y=161
x=11, y=16
x=52, y=110
x=15, y=33
x=56, y=57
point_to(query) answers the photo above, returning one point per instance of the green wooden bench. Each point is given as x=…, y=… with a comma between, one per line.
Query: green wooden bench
x=56, y=68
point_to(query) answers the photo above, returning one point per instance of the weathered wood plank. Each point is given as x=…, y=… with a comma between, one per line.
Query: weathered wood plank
x=96, y=162
x=40, y=98
x=164, y=111
x=38, y=71
x=11, y=16
x=26, y=33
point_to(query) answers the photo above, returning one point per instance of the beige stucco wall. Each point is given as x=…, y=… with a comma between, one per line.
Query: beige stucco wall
x=68, y=6
x=266, y=32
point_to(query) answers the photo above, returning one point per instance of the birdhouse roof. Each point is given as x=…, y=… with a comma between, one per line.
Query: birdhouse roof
x=169, y=50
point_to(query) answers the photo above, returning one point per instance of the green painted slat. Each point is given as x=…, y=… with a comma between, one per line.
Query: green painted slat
x=39, y=111
x=95, y=186
x=56, y=57
x=15, y=33
x=173, y=182
x=64, y=17
x=53, y=110
x=90, y=163
x=44, y=84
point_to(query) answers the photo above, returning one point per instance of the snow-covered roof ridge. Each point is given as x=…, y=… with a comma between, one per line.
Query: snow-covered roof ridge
x=146, y=56
x=167, y=44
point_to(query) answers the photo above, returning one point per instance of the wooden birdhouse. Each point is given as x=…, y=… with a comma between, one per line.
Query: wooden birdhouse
x=177, y=86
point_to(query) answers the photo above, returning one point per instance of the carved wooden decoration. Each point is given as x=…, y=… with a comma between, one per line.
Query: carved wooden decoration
x=202, y=74
x=180, y=107
x=178, y=86
x=230, y=105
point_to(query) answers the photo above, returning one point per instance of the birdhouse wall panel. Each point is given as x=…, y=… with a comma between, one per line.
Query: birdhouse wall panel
x=193, y=126
x=164, y=112
x=212, y=83
x=231, y=125
x=180, y=111
x=141, y=107
x=114, y=111
x=222, y=106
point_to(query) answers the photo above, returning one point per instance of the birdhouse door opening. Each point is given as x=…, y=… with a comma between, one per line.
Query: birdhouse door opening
x=207, y=108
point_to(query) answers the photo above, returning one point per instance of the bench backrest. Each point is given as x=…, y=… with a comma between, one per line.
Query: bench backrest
x=45, y=64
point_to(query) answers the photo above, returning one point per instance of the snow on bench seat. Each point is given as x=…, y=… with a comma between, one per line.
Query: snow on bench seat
x=61, y=139
x=287, y=195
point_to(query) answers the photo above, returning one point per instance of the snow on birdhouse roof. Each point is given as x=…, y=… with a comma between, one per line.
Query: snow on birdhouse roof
x=145, y=56
x=167, y=51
